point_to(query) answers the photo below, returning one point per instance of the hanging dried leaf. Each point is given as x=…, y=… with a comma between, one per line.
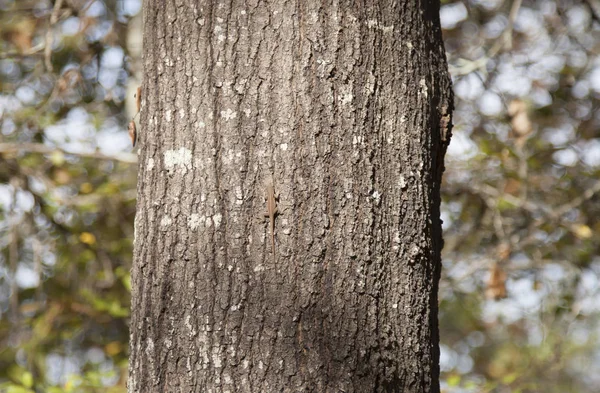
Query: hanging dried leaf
x=138, y=99
x=496, y=284
x=519, y=121
x=21, y=34
x=132, y=132
x=512, y=186
x=503, y=251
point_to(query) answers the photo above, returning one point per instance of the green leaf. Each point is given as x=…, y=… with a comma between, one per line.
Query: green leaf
x=454, y=380
x=57, y=158
x=18, y=389
x=510, y=378
x=27, y=379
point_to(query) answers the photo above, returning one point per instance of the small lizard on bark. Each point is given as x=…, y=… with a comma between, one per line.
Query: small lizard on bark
x=271, y=213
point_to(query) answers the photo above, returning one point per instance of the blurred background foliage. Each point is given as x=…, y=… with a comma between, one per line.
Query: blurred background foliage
x=67, y=193
x=520, y=292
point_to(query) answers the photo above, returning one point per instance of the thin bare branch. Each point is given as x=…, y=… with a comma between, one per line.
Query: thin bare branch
x=504, y=42
x=589, y=193
x=34, y=50
x=48, y=47
x=595, y=7
x=39, y=148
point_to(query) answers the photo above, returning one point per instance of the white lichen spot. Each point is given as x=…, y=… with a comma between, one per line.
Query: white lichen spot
x=409, y=45
x=218, y=29
x=194, y=221
x=150, y=164
x=243, y=12
x=374, y=24
x=348, y=195
x=246, y=363
x=346, y=99
x=283, y=146
x=168, y=116
x=423, y=85
x=287, y=228
x=227, y=379
x=376, y=196
x=357, y=139
x=136, y=224
x=403, y=119
x=182, y=113
x=165, y=222
x=259, y=268
x=220, y=20
x=402, y=182
x=200, y=21
x=230, y=268
x=181, y=157
x=239, y=195
x=149, y=345
x=390, y=138
x=169, y=62
x=221, y=37
x=228, y=156
x=228, y=114
x=201, y=124
x=247, y=112
x=261, y=365
x=216, y=358
x=217, y=218
x=168, y=343
x=190, y=326
x=395, y=306
x=414, y=251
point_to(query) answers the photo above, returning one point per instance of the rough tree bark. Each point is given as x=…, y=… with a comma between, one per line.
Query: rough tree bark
x=345, y=107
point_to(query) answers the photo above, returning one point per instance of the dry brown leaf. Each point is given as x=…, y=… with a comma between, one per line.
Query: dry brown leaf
x=138, y=99
x=132, y=132
x=496, y=284
x=512, y=186
x=62, y=176
x=503, y=251
x=519, y=121
x=21, y=34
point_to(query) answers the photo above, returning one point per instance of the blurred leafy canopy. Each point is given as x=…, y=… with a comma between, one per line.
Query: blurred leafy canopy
x=67, y=195
x=520, y=291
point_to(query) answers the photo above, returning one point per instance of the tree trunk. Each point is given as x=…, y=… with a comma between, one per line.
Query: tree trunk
x=345, y=108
